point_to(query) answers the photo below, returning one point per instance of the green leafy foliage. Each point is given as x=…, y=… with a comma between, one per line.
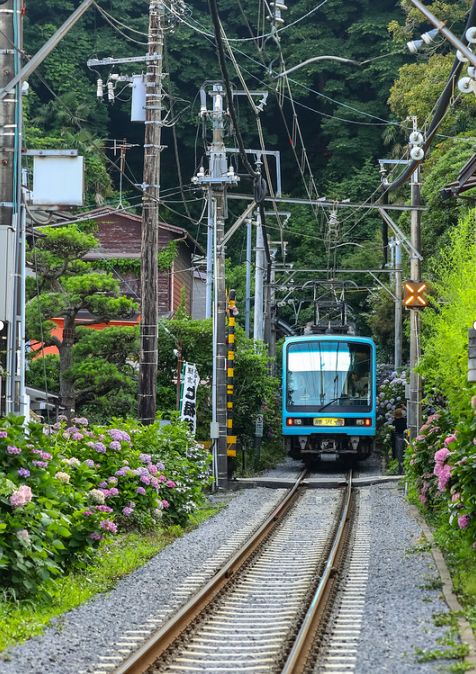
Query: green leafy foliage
x=444, y=360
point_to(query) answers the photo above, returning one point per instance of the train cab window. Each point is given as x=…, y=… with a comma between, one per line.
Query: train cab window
x=330, y=374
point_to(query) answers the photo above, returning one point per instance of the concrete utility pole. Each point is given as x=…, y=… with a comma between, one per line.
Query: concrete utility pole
x=249, y=232
x=258, y=325
x=217, y=180
x=398, y=304
x=12, y=214
x=415, y=274
x=150, y=216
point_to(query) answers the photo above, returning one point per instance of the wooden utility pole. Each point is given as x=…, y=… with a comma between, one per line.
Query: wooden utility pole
x=150, y=216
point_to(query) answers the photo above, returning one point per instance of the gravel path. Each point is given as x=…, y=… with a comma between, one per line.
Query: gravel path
x=400, y=604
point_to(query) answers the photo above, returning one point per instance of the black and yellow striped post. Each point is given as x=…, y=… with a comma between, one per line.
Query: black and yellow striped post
x=230, y=372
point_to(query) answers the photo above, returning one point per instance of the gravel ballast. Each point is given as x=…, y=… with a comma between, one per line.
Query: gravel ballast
x=402, y=594
x=398, y=611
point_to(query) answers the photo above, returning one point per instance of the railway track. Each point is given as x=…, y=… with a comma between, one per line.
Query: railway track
x=264, y=609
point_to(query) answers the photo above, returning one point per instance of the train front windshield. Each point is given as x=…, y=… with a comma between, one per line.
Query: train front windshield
x=328, y=375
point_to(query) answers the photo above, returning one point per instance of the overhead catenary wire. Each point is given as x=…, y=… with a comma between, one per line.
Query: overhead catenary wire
x=260, y=187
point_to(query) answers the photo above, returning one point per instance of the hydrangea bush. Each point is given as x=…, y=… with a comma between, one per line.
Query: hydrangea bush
x=64, y=487
x=441, y=464
x=390, y=395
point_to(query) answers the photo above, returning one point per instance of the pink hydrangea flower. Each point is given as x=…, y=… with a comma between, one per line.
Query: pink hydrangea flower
x=444, y=478
x=450, y=438
x=423, y=499
x=442, y=454
x=77, y=436
x=165, y=504
x=153, y=470
x=3, y=434
x=456, y=496
x=463, y=521
x=21, y=496
x=170, y=483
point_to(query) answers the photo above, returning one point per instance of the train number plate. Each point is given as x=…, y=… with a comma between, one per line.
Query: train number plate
x=328, y=421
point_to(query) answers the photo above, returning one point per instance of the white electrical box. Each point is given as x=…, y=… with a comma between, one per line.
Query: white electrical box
x=58, y=180
x=138, y=99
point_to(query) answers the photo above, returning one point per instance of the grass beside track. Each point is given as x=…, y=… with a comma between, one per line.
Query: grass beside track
x=21, y=620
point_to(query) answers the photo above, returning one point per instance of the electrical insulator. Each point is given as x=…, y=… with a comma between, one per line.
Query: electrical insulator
x=276, y=17
x=100, y=89
x=110, y=91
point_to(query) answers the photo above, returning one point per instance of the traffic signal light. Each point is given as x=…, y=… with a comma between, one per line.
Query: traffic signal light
x=414, y=295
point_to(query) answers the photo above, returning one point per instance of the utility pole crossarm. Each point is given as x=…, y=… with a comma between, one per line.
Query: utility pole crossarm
x=404, y=239
x=47, y=48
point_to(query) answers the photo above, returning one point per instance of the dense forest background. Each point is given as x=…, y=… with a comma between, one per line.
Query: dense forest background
x=349, y=116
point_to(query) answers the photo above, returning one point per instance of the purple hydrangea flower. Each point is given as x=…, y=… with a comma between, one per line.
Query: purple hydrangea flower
x=23, y=472
x=127, y=512
x=145, y=479
x=39, y=464
x=160, y=466
x=107, y=525
x=153, y=470
x=77, y=436
x=100, y=447
x=103, y=485
x=115, y=445
x=119, y=436
x=145, y=458
x=81, y=421
x=46, y=456
x=3, y=434
x=112, y=480
x=114, y=491
x=95, y=536
x=140, y=490
x=103, y=509
x=11, y=449
x=90, y=463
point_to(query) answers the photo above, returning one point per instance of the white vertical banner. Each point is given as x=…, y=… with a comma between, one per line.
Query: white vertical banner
x=188, y=407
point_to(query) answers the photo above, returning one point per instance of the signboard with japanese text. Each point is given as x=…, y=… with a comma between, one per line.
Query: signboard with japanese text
x=188, y=405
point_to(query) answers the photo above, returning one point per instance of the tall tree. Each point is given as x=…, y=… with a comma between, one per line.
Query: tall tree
x=67, y=285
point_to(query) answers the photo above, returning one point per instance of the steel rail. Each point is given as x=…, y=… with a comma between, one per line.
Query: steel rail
x=303, y=644
x=154, y=647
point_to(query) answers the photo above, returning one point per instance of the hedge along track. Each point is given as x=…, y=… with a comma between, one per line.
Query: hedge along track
x=247, y=616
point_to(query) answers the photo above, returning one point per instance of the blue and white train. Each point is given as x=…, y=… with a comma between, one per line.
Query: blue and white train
x=329, y=397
